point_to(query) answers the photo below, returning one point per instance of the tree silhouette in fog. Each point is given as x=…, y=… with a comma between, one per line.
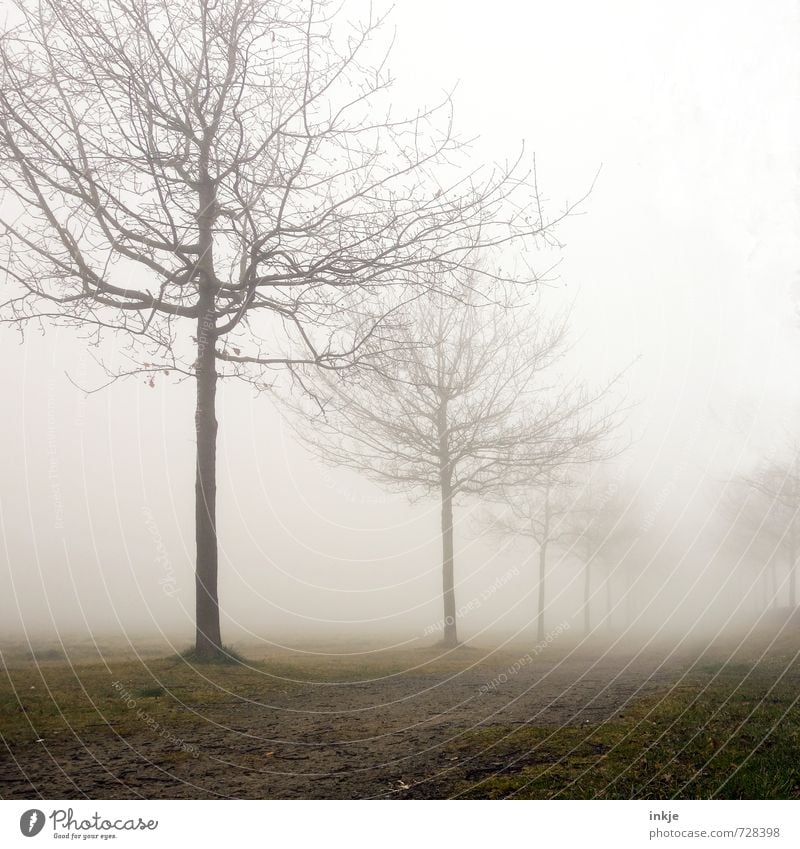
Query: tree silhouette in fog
x=463, y=400
x=224, y=189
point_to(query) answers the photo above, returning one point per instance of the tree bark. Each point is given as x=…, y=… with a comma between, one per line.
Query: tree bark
x=448, y=578
x=450, y=638
x=208, y=641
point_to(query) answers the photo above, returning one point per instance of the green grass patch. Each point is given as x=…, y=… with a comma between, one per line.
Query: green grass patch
x=55, y=699
x=732, y=732
x=150, y=692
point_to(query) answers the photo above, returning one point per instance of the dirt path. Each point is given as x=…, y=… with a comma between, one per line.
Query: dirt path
x=395, y=737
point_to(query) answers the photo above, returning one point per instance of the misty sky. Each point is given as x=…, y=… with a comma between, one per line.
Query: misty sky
x=685, y=261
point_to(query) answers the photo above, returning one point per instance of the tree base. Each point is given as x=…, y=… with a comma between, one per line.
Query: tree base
x=223, y=655
x=450, y=644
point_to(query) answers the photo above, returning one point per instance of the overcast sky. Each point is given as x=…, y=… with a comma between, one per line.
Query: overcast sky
x=685, y=261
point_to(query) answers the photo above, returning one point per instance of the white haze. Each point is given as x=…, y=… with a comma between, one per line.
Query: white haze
x=684, y=263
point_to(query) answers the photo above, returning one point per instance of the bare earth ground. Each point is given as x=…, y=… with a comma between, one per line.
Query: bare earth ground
x=398, y=732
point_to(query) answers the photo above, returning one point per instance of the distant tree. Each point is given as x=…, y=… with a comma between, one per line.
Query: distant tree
x=764, y=505
x=224, y=186
x=552, y=508
x=603, y=530
x=543, y=512
x=466, y=403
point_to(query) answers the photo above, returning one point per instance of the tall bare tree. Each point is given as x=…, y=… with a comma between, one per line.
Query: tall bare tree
x=465, y=404
x=224, y=184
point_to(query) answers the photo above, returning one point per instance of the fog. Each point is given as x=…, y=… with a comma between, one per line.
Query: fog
x=681, y=270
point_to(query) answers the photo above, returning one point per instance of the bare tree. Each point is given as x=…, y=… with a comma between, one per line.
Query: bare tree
x=465, y=404
x=765, y=506
x=542, y=512
x=225, y=185
x=555, y=508
x=603, y=529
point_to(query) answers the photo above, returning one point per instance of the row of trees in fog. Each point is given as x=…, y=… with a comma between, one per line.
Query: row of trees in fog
x=762, y=507
x=463, y=398
x=226, y=191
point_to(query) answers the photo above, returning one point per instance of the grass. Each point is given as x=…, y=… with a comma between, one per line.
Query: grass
x=52, y=697
x=49, y=699
x=726, y=731
x=730, y=730
x=372, y=666
x=228, y=657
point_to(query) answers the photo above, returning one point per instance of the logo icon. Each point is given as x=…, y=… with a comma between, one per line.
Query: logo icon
x=31, y=822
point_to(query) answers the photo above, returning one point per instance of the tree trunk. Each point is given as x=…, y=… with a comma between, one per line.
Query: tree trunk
x=208, y=642
x=450, y=638
x=542, y=571
x=448, y=577
x=544, y=539
x=587, y=586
